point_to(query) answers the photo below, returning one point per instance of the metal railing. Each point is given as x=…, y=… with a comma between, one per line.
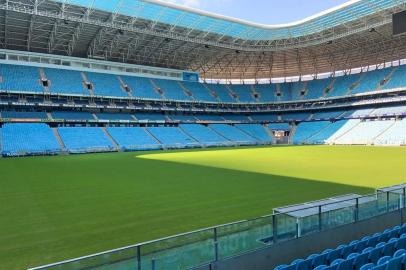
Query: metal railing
x=201, y=247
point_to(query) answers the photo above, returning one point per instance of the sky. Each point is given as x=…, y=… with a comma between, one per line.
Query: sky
x=263, y=11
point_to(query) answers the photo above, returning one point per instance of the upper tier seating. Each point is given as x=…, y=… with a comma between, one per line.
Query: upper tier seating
x=233, y=134
x=285, y=91
x=341, y=85
x=141, y=87
x=85, y=139
x=266, y=92
x=24, y=115
x=222, y=92
x=370, y=81
x=381, y=251
x=20, y=78
x=172, y=137
x=172, y=90
x=397, y=79
x=256, y=131
x=105, y=84
x=28, y=139
x=135, y=138
x=244, y=93
x=199, y=92
x=65, y=81
x=204, y=135
x=317, y=88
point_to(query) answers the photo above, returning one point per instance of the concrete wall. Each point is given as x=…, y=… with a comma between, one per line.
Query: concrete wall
x=286, y=252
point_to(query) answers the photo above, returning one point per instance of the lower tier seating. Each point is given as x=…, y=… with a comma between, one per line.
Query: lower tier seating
x=172, y=137
x=205, y=135
x=133, y=138
x=256, y=131
x=383, y=251
x=28, y=139
x=233, y=134
x=85, y=139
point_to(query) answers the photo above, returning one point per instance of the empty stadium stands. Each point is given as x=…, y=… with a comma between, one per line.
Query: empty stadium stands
x=20, y=78
x=172, y=137
x=67, y=81
x=85, y=139
x=256, y=131
x=233, y=134
x=306, y=130
x=133, y=138
x=28, y=139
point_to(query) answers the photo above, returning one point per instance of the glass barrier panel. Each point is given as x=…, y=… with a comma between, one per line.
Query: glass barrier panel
x=308, y=220
x=382, y=202
x=286, y=227
x=369, y=206
x=234, y=239
x=395, y=199
x=122, y=259
x=179, y=252
x=338, y=214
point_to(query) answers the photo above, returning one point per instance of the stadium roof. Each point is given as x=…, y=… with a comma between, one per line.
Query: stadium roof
x=151, y=32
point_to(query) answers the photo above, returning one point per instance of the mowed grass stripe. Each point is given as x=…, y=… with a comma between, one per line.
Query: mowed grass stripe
x=56, y=208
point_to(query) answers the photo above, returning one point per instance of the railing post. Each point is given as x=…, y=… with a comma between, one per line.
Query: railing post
x=404, y=197
x=320, y=219
x=356, y=211
x=216, y=247
x=387, y=201
x=139, y=257
x=274, y=229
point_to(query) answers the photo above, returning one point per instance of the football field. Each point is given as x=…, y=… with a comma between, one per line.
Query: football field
x=56, y=208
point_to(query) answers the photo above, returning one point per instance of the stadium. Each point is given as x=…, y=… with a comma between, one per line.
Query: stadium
x=147, y=135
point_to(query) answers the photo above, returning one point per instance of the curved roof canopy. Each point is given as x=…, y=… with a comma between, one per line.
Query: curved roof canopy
x=153, y=33
x=193, y=19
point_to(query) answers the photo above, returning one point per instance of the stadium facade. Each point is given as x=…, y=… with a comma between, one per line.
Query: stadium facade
x=127, y=75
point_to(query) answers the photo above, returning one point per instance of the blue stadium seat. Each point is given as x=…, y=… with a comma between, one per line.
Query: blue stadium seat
x=28, y=139
x=85, y=139
x=204, y=135
x=12, y=78
x=172, y=137
x=233, y=134
x=133, y=138
x=64, y=81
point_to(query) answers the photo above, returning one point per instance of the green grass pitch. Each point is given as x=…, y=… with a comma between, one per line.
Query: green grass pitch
x=56, y=208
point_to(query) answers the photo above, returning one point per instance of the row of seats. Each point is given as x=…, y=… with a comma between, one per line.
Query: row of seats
x=144, y=116
x=384, y=251
x=352, y=132
x=35, y=139
x=87, y=83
